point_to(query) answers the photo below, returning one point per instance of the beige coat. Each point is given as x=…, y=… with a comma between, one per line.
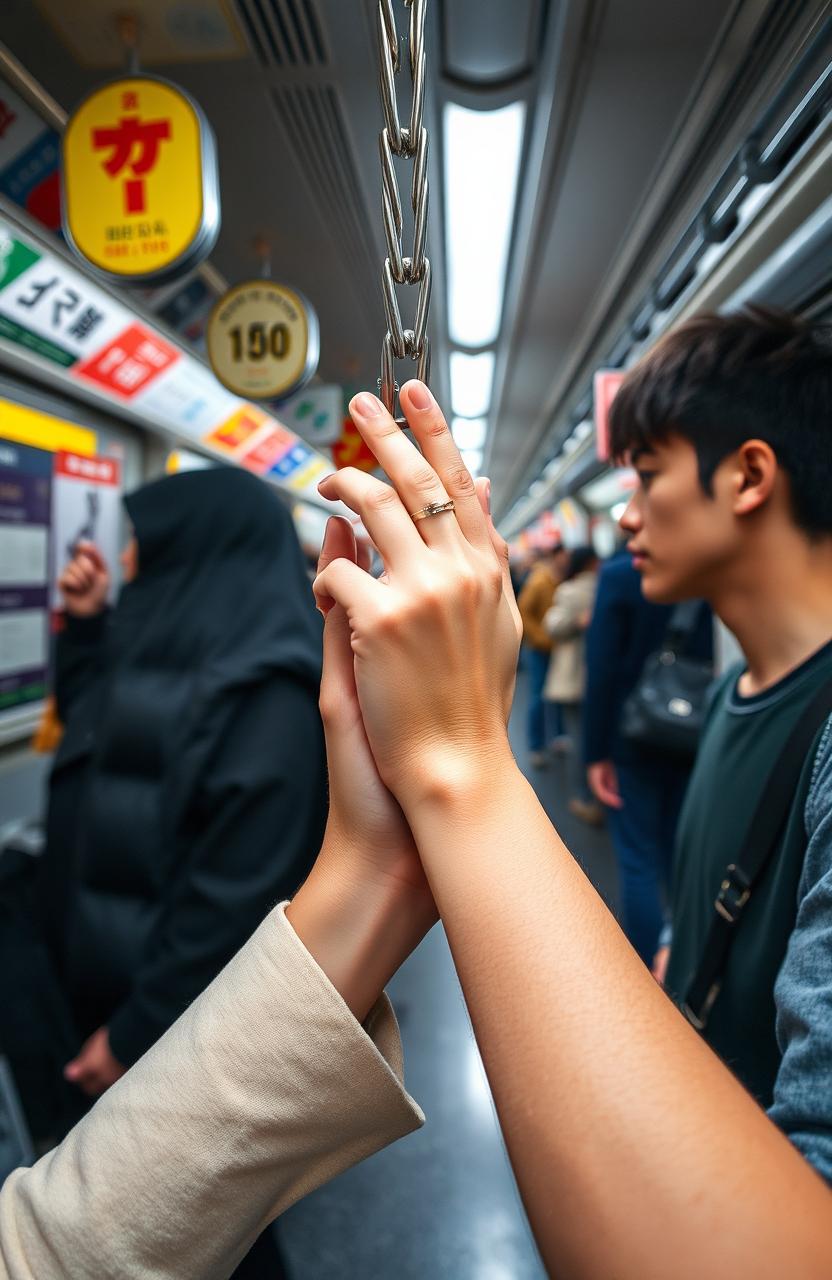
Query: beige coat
x=263, y=1089
x=566, y=678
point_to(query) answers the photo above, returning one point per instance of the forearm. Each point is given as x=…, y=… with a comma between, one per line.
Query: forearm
x=636, y=1151
x=264, y=1089
x=359, y=929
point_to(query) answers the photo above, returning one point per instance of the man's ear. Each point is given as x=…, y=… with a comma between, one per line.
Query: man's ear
x=755, y=475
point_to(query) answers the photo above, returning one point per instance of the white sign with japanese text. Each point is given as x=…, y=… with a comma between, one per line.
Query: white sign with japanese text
x=51, y=300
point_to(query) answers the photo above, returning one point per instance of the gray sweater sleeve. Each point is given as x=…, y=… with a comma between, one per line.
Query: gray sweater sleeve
x=802, y=1105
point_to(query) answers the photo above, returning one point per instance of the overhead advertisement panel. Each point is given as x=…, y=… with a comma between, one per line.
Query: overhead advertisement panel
x=141, y=193
x=262, y=340
x=88, y=339
x=29, y=151
x=25, y=502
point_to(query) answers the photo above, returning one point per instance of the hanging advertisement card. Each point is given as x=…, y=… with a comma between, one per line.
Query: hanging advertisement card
x=82, y=335
x=606, y=384
x=49, y=309
x=29, y=151
x=130, y=362
x=263, y=340
x=140, y=184
x=315, y=414
x=25, y=509
x=86, y=507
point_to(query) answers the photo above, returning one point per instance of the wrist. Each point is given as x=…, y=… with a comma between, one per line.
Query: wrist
x=353, y=854
x=448, y=779
x=358, y=925
x=84, y=613
x=473, y=797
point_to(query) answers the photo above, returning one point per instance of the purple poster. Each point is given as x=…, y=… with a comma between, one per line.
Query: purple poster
x=25, y=504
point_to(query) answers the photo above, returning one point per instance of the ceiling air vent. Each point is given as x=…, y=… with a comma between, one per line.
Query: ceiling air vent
x=313, y=122
x=284, y=33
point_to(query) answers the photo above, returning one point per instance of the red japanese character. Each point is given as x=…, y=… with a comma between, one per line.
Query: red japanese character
x=129, y=134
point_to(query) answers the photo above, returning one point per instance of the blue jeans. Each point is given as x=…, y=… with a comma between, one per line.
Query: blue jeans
x=545, y=721
x=643, y=834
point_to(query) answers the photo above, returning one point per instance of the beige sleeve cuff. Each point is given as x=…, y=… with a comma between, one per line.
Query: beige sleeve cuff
x=265, y=1088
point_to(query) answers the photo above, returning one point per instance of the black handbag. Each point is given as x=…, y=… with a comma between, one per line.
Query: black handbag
x=666, y=709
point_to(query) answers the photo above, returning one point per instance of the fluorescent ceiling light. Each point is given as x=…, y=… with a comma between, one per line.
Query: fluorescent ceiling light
x=469, y=433
x=482, y=167
x=471, y=380
x=473, y=460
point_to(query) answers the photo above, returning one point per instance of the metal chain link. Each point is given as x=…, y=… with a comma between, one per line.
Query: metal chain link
x=409, y=142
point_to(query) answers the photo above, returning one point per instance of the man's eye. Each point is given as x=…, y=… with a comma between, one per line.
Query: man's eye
x=645, y=478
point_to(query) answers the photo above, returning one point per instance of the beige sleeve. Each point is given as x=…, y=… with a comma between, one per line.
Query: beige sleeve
x=561, y=620
x=262, y=1090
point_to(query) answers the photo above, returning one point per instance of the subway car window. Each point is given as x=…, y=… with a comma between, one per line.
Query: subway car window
x=415, y=640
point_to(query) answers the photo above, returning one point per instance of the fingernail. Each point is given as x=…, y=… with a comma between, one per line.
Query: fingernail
x=367, y=406
x=325, y=538
x=419, y=396
x=488, y=495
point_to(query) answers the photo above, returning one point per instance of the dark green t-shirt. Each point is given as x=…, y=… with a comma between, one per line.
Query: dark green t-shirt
x=741, y=744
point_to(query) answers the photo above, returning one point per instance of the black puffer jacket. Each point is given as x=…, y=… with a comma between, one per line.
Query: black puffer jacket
x=189, y=792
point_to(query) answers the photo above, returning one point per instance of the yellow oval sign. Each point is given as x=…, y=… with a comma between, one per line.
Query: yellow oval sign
x=140, y=195
x=262, y=340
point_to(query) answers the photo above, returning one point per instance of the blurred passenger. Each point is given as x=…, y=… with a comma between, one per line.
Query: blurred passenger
x=519, y=567
x=566, y=623
x=189, y=791
x=727, y=422
x=641, y=788
x=545, y=723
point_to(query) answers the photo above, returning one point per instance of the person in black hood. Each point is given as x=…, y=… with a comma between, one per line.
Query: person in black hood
x=189, y=791
x=188, y=794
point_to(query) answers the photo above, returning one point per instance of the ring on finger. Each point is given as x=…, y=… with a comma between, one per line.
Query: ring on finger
x=432, y=509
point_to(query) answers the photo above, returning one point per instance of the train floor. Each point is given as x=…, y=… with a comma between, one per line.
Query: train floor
x=441, y=1204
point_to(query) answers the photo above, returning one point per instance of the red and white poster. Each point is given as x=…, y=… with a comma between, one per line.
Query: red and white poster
x=607, y=382
x=86, y=507
x=129, y=363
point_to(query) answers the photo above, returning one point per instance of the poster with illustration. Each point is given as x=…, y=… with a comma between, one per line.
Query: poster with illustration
x=86, y=507
x=25, y=493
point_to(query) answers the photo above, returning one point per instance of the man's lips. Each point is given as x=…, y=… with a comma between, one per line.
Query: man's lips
x=640, y=557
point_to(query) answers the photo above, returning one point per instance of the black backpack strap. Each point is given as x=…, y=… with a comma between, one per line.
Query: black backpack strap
x=742, y=876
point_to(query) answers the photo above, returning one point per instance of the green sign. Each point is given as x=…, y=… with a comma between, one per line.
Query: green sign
x=15, y=258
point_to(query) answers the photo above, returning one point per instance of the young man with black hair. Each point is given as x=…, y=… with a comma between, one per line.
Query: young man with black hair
x=728, y=422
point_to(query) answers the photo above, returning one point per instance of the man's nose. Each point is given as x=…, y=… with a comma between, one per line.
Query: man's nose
x=630, y=520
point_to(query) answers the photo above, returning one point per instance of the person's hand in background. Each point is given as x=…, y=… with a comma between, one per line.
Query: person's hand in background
x=85, y=582
x=95, y=1068
x=603, y=783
